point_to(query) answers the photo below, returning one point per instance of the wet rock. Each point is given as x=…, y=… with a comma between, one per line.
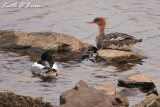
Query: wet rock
x=117, y=56
x=155, y=103
x=150, y=101
x=139, y=81
x=128, y=92
x=153, y=91
x=35, y=43
x=8, y=99
x=83, y=95
x=109, y=88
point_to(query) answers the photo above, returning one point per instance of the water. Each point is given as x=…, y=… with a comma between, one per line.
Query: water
x=140, y=18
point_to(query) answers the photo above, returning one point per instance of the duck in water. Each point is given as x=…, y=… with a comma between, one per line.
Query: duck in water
x=45, y=68
x=119, y=41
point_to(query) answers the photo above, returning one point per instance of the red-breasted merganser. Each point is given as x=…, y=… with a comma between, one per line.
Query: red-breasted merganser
x=120, y=41
x=45, y=68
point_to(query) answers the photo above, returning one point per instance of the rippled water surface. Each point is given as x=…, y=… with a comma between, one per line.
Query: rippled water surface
x=140, y=18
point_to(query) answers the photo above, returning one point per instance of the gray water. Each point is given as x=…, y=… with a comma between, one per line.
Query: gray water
x=140, y=18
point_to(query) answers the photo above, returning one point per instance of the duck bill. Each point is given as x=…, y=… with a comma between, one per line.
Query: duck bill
x=90, y=22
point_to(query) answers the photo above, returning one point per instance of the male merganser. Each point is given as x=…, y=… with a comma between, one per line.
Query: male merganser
x=45, y=68
x=120, y=41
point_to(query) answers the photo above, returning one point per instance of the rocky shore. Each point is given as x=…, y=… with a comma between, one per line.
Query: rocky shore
x=8, y=99
x=64, y=48
x=83, y=95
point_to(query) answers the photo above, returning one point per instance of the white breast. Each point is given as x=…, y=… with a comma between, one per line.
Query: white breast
x=38, y=65
x=55, y=66
x=37, y=69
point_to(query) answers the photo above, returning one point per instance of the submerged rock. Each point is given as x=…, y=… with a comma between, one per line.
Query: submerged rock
x=128, y=92
x=116, y=56
x=150, y=101
x=139, y=81
x=65, y=47
x=8, y=99
x=109, y=88
x=83, y=95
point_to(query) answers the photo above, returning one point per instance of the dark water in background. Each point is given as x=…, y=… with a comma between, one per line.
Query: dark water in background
x=140, y=18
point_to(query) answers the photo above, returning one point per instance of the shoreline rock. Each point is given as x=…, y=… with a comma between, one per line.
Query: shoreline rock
x=116, y=56
x=83, y=95
x=150, y=101
x=139, y=81
x=9, y=99
x=35, y=43
x=153, y=91
x=109, y=88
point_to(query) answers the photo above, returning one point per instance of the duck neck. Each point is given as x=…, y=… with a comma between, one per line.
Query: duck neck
x=102, y=29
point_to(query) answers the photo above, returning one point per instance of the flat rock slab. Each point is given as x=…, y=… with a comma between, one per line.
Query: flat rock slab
x=116, y=56
x=83, y=95
x=8, y=99
x=35, y=43
x=138, y=81
x=109, y=88
x=150, y=101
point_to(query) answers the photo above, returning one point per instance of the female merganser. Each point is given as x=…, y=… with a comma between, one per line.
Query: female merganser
x=45, y=68
x=120, y=41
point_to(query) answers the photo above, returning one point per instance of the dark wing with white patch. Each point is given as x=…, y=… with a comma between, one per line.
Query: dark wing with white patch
x=116, y=41
x=46, y=64
x=118, y=37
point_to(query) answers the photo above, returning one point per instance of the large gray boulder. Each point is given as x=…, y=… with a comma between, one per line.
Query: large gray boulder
x=8, y=99
x=83, y=95
x=116, y=56
x=35, y=43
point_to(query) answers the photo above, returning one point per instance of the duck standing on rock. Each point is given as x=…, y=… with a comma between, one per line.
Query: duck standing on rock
x=119, y=41
x=45, y=68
